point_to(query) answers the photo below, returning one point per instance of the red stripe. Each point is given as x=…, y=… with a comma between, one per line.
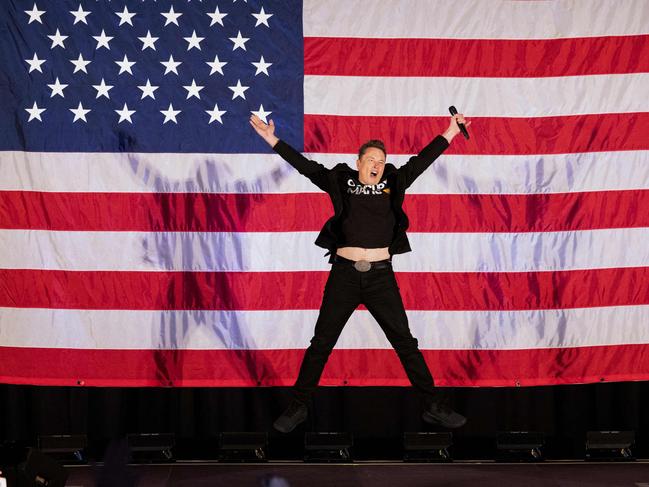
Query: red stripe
x=150, y=212
x=236, y=368
x=303, y=290
x=343, y=56
x=527, y=212
x=153, y=212
x=489, y=135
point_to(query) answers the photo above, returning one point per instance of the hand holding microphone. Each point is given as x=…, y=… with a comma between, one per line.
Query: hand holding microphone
x=460, y=125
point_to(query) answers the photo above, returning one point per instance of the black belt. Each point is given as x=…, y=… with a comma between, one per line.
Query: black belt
x=363, y=265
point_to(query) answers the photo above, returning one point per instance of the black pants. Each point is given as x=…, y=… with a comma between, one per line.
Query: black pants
x=377, y=289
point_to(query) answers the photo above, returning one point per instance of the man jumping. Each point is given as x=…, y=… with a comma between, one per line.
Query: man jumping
x=368, y=227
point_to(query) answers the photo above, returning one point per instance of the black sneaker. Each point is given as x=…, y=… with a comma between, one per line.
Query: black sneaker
x=441, y=414
x=294, y=415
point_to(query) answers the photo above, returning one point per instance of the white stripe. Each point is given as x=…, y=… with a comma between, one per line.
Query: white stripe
x=475, y=19
x=253, y=330
x=558, y=173
x=146, y=172
x=294, y=251
x=267, y=173
x=476, y=97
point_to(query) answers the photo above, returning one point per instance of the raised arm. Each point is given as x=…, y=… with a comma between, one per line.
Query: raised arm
x=416, y=165
x=316, y=172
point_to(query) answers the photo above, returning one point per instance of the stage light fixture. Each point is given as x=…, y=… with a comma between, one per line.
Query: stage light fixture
x=245, y=447
x=611, y=446
x=22, y=466
x=328, y=447
x=66, y=449
x=519, y=446
x=151, y=447
x=427, y=447
x=42, y=470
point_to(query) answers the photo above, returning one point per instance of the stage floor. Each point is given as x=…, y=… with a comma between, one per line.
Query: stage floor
x=483, y=474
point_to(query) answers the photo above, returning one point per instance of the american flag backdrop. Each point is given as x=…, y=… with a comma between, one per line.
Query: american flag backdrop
x=148, y=237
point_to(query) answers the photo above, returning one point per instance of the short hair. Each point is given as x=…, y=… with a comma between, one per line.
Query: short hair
x=376, y=143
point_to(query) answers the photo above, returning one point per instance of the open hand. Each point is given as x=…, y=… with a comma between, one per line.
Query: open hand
x=265, y=131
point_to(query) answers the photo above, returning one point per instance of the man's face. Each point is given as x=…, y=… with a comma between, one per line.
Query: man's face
x=370, y=166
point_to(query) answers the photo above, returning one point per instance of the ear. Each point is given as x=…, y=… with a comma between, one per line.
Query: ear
x=358, y=164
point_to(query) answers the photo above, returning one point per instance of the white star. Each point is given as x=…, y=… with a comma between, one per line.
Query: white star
x=80, y=64
x=79, y=113
x=102, y=40
x=171, y=65
x=57, y=39
x=147, y=90
x=216, y=65
x=35, y=14
x=80, y=15
x=125, y=114
x=238, y=90
x=261, y=113
x=125, y=16
x=35, y=64
x=102, y=89
x=217, y=17
x=193, y=90
x=57, y=89
x=262, y=66
x=215, y=114
x=239, y=41
x=125, y=65
x=148, y=41
x=262, y=18
x=171, y=16
x=35, y=112
x=170, y=114
x=194, y=41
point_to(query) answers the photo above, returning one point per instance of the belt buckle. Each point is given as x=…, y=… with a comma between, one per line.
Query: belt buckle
x=362, y=265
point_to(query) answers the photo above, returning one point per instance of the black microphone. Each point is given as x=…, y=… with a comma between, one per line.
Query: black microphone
x=463, y=129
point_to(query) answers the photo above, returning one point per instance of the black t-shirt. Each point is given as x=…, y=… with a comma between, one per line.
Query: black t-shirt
x=368, y=219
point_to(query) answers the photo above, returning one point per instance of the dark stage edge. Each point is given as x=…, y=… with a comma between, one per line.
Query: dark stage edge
x=469, y=473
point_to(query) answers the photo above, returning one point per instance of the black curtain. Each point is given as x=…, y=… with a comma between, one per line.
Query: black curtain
x=377, y=416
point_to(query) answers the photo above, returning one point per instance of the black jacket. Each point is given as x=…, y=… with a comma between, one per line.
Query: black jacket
x=333, y=180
